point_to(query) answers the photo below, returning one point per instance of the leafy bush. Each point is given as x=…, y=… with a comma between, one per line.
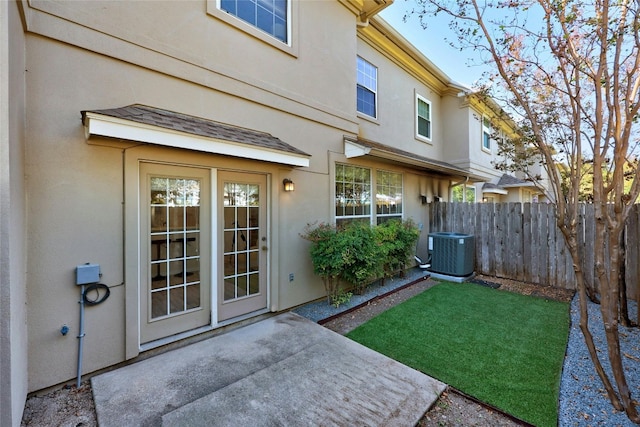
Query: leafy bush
x=397, y=240
x=359, y=253
x=327, y=257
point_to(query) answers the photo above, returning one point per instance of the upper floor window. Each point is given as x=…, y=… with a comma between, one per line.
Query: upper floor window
x=423, y=118
x=486, y=133
x=367, y=88
x=270, y=16
x=388, y=196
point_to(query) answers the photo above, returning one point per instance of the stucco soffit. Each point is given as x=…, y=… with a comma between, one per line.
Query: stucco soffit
x=161, y=127
x=358, y=147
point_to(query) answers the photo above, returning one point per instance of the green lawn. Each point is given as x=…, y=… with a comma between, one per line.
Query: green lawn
x=503, y=348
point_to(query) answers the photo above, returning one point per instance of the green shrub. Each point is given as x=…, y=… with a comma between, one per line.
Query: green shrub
x=327, y=258
x=359, y=253
x=397, y=240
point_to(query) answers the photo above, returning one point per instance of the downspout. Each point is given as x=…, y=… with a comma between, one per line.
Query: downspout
x=464, y=193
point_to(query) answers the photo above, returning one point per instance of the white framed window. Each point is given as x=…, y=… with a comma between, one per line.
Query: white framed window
x=486, y=133
x=388, y=196
x=423, y=118
x=353, y=193
x=469, y=194
x=269, y=16
x=367, y=88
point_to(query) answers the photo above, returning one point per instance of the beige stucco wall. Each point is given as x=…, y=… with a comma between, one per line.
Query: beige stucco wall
x=465, y=135
x=81, y=196
x=76, y=212
x=13, y=326
x=456, y=148
x=205, y=50
x=395, y=122
x=399, y=83
x=76, y=189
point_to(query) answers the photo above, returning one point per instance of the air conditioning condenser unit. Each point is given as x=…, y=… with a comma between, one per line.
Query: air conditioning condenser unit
x=452, y=253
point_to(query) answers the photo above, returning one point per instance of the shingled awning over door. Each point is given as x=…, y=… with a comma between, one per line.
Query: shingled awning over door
x=167, y=128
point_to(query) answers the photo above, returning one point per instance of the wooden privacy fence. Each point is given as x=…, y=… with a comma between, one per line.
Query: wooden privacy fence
x=521, y=241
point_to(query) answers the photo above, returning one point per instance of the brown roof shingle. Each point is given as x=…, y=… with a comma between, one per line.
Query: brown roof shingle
x=196, y=126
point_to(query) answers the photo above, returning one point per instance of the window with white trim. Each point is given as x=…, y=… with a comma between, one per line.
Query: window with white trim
x=367, y=88
x=353, y=193
x=423, y=118
x=486, y=133
x=388, y=196
x=469, y=196
x=269, y=16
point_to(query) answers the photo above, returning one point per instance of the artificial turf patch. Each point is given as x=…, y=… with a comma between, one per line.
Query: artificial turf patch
x=503, y=348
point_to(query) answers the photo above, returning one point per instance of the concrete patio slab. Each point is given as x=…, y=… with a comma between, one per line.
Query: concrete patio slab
x=284, y=371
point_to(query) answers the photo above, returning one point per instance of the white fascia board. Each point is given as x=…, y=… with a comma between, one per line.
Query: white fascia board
x=351, y=149
x=100, y=125
x=495, y=191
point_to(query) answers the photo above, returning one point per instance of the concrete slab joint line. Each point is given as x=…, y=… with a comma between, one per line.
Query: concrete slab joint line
x=285, y=371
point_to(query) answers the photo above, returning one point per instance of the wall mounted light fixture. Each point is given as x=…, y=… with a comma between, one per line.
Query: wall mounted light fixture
x=288, y=185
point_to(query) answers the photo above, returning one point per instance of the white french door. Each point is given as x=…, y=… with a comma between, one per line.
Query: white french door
x=175, y=250
x=242, y=244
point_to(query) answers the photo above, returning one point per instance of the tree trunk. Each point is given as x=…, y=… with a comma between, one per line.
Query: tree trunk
x=610, y=315
x=622, y=280
x=584, y=317
x=604, y=282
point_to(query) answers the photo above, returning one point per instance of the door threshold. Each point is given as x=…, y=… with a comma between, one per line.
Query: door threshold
x=242, y=317
x=202, y=330
x=173, y=338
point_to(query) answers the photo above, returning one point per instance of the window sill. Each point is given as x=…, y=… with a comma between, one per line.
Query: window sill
x=290, y=48
x=422, y=139
x=368, y=118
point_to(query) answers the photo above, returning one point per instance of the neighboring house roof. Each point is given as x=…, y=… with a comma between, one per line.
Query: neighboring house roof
x=148, y=124
x=507, y=181
x=355, y=147
x=489, y=187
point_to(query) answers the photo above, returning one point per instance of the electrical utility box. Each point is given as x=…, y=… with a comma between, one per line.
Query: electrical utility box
x=452, y=253
x=87, y=273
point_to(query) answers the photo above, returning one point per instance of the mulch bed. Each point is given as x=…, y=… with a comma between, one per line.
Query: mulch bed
x=524, y=288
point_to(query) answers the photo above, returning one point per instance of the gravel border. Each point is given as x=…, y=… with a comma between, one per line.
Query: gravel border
x=320, y=310
x=583, y=400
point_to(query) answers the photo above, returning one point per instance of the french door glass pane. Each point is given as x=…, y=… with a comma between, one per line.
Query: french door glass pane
x=174, y=241
x=241, y=239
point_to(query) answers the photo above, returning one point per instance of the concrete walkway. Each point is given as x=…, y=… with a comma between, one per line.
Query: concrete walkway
x=282, y=371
